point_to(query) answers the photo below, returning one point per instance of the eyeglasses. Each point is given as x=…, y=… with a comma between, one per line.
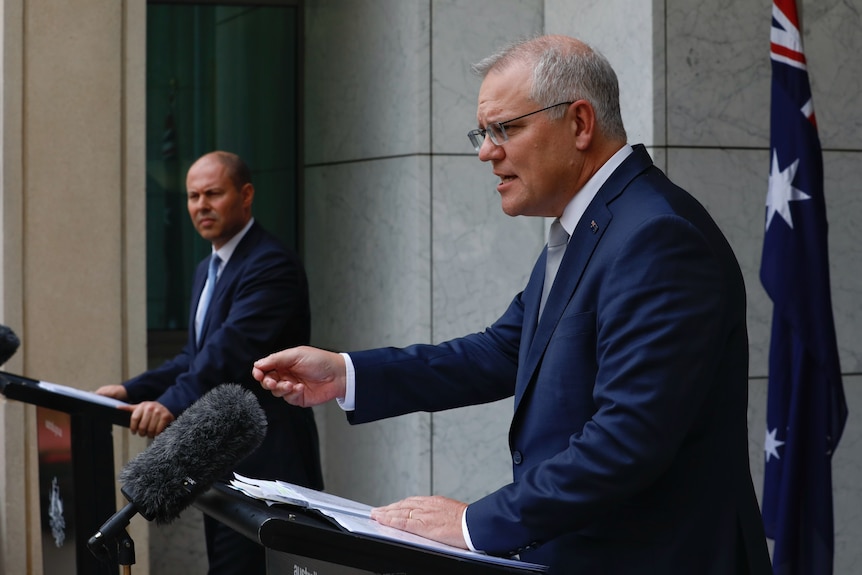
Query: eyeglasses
x=497, y=130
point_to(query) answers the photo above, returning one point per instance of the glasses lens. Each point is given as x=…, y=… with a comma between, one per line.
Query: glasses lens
x=477, y=138
x=497, y=133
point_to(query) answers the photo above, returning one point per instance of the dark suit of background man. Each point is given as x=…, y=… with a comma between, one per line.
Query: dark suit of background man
x=260, y=304
x=629, y=439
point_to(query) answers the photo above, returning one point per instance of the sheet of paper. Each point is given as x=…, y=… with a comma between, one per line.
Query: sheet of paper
x=266, y=490
x=323, y=501
x=81, y=394
x=354, y=517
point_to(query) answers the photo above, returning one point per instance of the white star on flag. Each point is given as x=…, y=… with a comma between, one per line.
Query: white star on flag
x=771, y=445
x=781, y=191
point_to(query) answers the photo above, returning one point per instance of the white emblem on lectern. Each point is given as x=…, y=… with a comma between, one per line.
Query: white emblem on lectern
x=55, y=514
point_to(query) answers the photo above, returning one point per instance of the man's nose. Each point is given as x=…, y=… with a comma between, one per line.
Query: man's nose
x=489, y=150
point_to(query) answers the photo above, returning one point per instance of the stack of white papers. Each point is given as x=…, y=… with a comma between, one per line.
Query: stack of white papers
x=283, y=492
x=353, y=516
x=81, y=394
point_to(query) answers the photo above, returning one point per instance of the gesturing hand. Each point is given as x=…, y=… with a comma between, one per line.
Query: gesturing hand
x=303, y=376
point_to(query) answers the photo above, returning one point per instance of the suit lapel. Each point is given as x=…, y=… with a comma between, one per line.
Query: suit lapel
x=581, y=247
x=531, y=297
x=589, y=231
x=228, y=273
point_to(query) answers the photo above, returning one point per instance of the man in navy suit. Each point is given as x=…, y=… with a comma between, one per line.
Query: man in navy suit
x=259, y=304
x=629, y=439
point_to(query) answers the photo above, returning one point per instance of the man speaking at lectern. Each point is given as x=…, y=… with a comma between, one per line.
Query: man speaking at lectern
x=629, y=371
x=249, y=297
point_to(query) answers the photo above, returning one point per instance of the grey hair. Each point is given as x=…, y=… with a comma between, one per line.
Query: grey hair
x=564, y=70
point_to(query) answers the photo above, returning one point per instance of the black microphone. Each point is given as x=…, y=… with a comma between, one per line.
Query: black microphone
x=9, y=343
x=204, y=443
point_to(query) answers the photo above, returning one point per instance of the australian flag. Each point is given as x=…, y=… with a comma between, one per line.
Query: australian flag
x=806, y=409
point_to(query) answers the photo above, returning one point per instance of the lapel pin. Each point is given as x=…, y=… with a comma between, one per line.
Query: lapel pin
x=594, y=226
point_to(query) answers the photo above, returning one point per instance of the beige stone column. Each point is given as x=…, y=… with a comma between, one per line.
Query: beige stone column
x=72, y=279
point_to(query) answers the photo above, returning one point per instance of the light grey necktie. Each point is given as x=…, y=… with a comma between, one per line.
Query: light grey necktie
x=557, y=240
x=206, y=295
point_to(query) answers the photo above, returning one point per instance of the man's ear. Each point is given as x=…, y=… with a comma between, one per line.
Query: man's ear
x=247, y=193
x=583, y=118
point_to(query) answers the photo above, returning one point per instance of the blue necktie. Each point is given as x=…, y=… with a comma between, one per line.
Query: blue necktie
x=206, y=296
x=558, y=238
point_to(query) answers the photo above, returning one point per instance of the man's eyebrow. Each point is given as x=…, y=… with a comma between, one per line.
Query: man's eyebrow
x=206, y=191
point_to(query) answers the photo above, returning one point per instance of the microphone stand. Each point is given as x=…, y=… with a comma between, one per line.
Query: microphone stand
x=123, y=549
x=113, y=541
x=126, y=552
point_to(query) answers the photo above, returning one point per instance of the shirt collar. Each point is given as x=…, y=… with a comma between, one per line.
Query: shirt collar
x=578, y=205
x=226, y=251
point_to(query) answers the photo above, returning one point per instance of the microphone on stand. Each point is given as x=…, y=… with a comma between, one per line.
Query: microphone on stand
x=204, y=443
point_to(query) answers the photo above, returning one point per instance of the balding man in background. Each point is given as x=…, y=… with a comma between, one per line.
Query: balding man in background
x=254, y=302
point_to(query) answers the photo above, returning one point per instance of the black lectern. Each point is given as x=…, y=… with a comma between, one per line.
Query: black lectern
x=77, y=489
x=300, y=541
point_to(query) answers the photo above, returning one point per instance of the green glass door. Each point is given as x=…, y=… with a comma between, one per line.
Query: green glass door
x=219, y=77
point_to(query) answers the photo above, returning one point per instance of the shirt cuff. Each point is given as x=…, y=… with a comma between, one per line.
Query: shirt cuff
x=466, y=532
x=349, y=401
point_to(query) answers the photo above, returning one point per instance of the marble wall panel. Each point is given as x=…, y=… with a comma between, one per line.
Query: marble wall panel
x=179, y=548
x=842, y=173
x=367, y=68
x=481, y=256
x=464, y=32
x=368, y=253
x=757, y=388
x=718, y=73
x=470, y=456
x=846, y=487
x=379, y=462
x=634, y=45
x=832, y=37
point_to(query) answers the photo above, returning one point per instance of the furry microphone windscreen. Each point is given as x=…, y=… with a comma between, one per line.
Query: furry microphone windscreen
x=204, y=443
x=9, y=343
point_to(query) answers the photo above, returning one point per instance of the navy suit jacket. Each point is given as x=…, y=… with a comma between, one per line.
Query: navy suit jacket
x=629, y=437
x=259, y=306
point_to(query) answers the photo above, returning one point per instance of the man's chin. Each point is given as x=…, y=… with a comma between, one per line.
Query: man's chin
x=207, y=232
x=512, y=208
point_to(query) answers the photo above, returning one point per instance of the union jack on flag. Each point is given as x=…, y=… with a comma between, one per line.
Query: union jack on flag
x=806, y=408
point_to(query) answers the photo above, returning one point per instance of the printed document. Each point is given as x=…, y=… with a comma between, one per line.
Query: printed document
x=354, y=517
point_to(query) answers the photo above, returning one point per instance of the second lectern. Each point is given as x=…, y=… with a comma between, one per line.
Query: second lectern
x=77, y=489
